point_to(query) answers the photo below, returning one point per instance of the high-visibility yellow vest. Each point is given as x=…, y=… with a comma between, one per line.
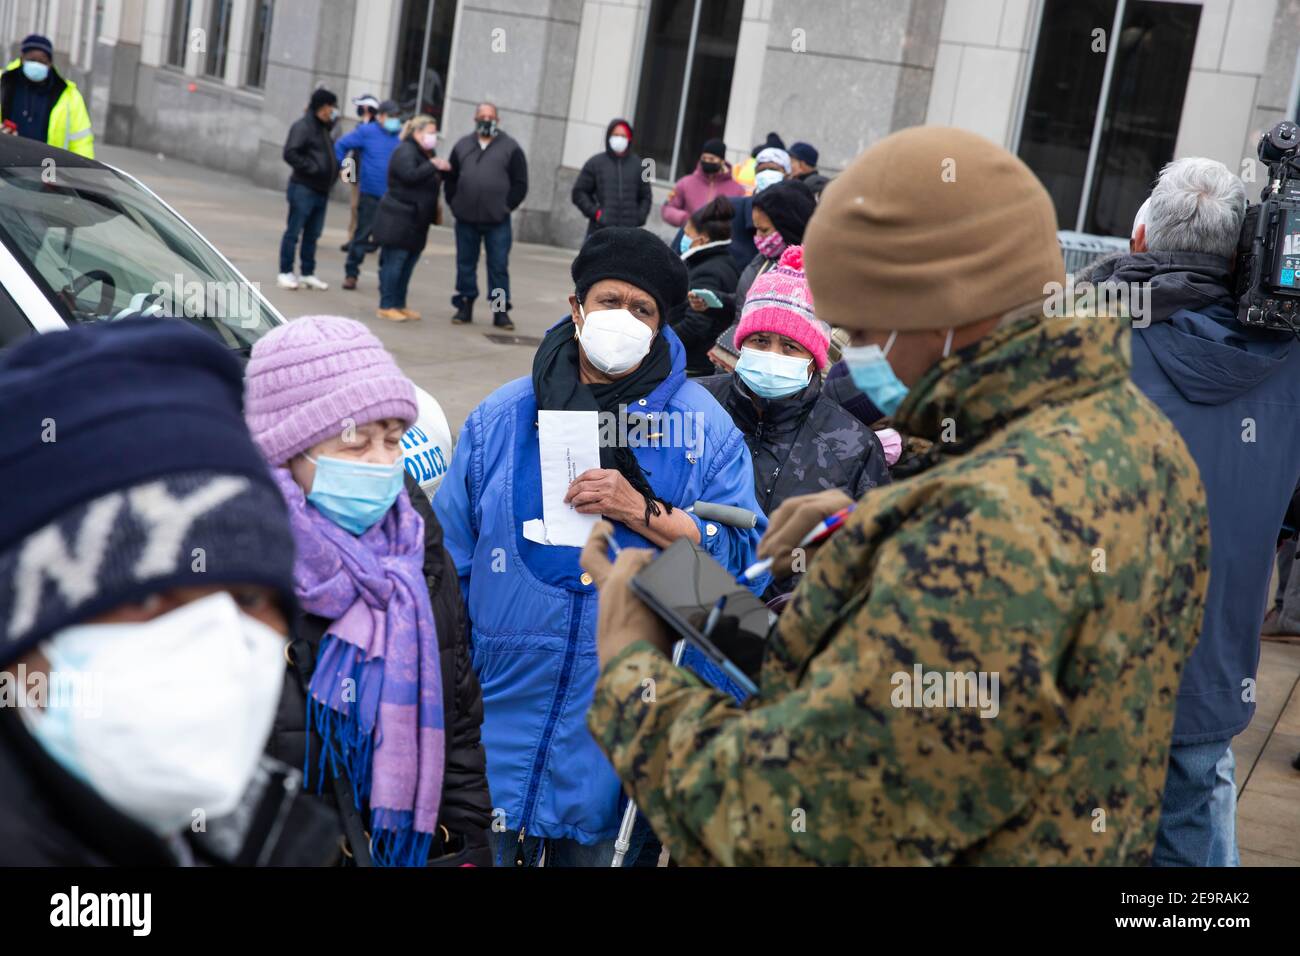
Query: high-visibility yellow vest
x=69, y=121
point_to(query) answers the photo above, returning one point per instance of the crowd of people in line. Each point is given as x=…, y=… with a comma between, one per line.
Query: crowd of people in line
x=1067, y=503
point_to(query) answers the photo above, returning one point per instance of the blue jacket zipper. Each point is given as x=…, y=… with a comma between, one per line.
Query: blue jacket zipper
x=543, y=748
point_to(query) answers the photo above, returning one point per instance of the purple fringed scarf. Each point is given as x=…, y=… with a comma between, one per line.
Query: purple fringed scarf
x=376, y=695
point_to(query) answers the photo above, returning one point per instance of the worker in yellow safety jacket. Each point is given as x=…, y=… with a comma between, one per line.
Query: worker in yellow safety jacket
x=39, y=103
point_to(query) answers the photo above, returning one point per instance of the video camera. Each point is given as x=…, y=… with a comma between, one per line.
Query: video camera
x=1268, y=252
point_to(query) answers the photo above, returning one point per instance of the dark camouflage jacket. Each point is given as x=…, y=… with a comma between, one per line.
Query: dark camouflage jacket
x=1057, y=541
x=802, y=444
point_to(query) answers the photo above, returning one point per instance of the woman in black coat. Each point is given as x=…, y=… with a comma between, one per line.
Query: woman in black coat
x=705, y=242
x=465, y=811
x=610, y=190
x=405, y=213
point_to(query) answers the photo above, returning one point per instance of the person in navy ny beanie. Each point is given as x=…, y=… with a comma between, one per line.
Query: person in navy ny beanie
x=146, y=578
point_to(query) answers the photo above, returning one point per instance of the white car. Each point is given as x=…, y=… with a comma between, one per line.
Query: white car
x=82, y=242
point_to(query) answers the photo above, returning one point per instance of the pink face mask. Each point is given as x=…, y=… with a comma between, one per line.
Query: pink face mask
x=892, y=443
x=770, y=245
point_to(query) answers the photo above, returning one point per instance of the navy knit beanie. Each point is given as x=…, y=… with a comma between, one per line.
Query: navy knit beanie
x=34, y=41
x=127, y=470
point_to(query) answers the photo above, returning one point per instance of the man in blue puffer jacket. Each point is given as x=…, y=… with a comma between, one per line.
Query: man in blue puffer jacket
x=372, y=145
x=532, y=609
x=1233, y=393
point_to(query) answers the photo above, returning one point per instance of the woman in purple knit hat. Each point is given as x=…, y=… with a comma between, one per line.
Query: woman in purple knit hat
x=381, y=706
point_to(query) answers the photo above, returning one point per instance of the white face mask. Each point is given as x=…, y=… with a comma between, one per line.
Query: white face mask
x=768, y=177
x=171, y=715
x=618, y=143
x=614, y=340
x=429, y=141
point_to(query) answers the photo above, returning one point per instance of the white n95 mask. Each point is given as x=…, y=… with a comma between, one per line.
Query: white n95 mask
x=614, y=340
x=170, y=715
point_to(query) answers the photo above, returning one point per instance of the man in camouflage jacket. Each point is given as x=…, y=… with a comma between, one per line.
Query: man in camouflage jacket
x=1057, y=543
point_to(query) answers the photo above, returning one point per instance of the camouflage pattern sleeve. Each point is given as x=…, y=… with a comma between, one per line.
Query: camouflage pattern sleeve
x=839, y=769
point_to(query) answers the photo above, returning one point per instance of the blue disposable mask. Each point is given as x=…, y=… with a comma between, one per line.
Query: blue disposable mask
x=393, y=124
x=874, y=376
x=684, y=244
x=355, y=495
x=35, y=71
x=768, y=177
x=769, y=375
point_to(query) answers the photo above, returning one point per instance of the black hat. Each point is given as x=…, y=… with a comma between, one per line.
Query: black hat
x=389, y=107
x=789, y=204
x=322, y=97
x=715, y=146
x=636, y=256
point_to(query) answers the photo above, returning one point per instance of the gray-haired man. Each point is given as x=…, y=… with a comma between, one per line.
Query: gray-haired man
x=1234, y=395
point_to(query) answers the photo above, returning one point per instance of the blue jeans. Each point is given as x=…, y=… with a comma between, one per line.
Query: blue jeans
x=1198, y=819
x=643, y=849
x=367, y=206
x=306, y=216
x=496, y=239
x=395, y=268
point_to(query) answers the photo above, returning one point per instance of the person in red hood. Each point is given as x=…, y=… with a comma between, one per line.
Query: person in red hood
x=710, y=178
x=611, y=190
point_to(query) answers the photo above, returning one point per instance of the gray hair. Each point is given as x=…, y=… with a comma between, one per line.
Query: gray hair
x=1197, y=206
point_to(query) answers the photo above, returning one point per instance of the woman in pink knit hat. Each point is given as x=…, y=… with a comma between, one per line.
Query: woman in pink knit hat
x=802, y=441
x=381, y=707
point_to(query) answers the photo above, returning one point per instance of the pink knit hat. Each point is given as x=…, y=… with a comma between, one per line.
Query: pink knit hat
x=779, y=302
x=308, y=379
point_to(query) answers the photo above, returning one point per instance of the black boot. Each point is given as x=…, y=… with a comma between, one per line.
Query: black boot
x=501, y=320
x=464, y=313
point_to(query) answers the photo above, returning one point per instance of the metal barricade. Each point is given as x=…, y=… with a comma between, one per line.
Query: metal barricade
x=1081, y=249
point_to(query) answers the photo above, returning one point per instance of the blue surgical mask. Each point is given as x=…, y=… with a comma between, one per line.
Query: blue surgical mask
x=393, y=124
x=684, y=244
x=768, y=177
x=769, y=375
x=35, y=71
x=355, y=495
x=874, y=376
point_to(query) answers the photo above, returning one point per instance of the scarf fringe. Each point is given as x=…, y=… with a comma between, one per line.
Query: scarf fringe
x=394, y=841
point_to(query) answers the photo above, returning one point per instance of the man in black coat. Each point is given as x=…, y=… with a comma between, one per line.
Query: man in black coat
x=309, y=151
x=486, y=182
x=612, y=189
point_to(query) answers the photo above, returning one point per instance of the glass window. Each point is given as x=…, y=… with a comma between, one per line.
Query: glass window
x=672, y=120
x=1060, y=137
x=214, y=64
x=259, y=42
x=178, y=33
x=102, y=248
x=416, y=93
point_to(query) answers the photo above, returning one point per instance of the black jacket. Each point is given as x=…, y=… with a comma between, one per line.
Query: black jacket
x=410, y=203
x=309, y=151
x=610, y=190
x=708, y=267
x=815, y=181
x=486, y=184
x=466, y=808
x=9, y=81
x=802, y=444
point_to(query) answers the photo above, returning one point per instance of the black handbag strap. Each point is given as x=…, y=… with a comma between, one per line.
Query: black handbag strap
x=353, y=829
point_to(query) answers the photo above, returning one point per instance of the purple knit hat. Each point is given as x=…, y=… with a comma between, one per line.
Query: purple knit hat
x=780, y=302
x=308, y=379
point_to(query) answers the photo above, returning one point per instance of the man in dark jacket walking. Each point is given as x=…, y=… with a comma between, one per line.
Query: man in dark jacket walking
x=612, y=189
x=1234, y=395
x=487, y=181
x=309, y=151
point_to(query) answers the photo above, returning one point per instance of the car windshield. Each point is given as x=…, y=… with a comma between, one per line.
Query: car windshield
x=104, y=249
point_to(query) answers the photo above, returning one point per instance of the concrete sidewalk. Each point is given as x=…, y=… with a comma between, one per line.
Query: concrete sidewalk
x=458, y=365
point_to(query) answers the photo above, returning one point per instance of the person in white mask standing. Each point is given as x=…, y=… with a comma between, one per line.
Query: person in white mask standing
x=664, y=445
x=146, y=582
x=611, y=189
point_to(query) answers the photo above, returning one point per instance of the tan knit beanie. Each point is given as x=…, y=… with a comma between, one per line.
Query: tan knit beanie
x=931, y=228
